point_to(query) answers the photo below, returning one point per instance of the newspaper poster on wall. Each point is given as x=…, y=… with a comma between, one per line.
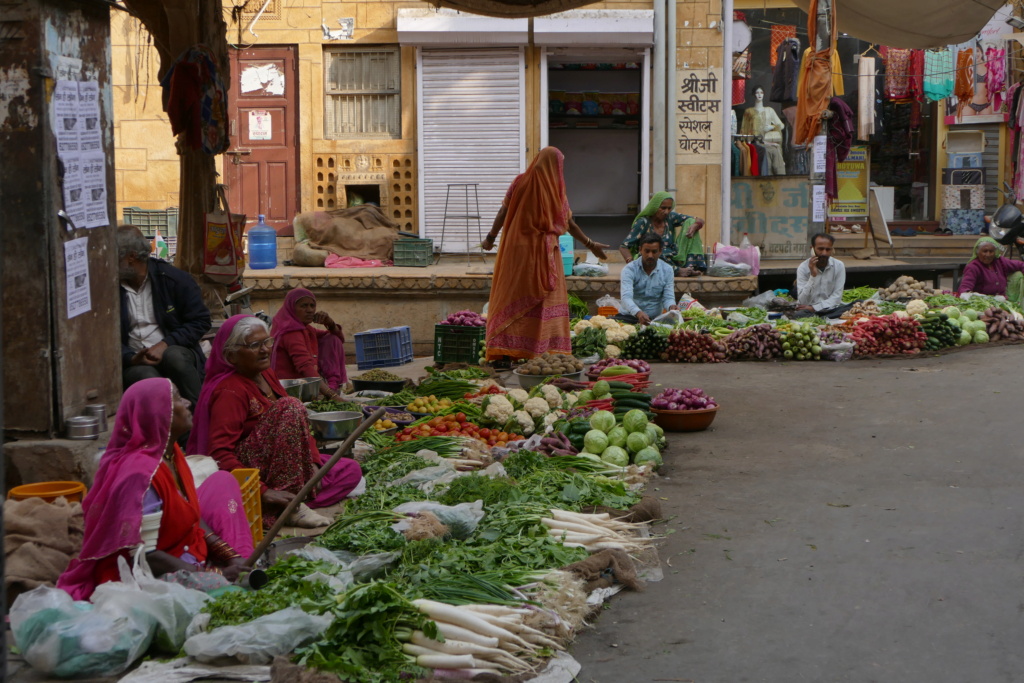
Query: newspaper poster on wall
x=773, y=214
x=852, y=176
x=699, y=116
x=76, y=127
x=76, y=265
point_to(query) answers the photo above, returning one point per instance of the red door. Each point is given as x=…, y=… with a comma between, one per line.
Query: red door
x=261, y=169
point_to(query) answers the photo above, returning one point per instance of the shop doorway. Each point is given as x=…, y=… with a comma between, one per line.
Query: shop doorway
x=261, y=169
x=594, y=107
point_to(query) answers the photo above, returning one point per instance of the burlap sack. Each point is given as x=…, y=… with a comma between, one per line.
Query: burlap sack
x=361, y=231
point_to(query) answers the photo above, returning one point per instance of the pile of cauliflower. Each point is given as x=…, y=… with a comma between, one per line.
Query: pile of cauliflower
x=530, y=414
x=615, y=331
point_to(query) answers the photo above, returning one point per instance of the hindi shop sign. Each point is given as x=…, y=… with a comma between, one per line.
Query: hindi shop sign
x=699, y=117
x=774, y=214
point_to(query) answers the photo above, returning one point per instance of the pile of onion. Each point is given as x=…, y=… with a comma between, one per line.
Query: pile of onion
x=465, y=319
x=683, y=399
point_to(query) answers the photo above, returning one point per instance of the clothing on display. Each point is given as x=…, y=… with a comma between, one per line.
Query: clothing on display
x=995, y=76
x=865, y=97
x=785, y=78
x=837, y=148
x=964, y=86
x=762, y=121
x=816, y=80
x=938, y=74
x=915, y=80
x=897, y=76
x=780, y=34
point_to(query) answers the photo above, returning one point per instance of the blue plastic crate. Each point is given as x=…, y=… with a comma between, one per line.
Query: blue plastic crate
x=383, y=348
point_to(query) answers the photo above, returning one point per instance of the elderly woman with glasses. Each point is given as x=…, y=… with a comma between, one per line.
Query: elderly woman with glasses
x=244, y=418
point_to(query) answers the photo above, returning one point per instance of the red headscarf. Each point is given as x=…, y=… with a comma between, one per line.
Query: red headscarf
x=287, y=320
x=113, y=507
x=217, y=370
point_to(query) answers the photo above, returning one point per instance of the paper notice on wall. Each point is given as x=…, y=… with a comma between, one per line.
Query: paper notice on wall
x=819, y=155
x=818, y=204
x=259, y=125
x=267, y=78
x=76, y=127
x=76, y=263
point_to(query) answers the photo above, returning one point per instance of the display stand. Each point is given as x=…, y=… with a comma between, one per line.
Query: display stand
x=876, y=218
x=466, y=215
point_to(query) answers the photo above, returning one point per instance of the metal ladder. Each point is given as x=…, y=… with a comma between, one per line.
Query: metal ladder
x=465, y=189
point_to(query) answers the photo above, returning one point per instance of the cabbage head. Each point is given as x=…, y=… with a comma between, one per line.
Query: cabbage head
x=603, y=420
x=614, y=455
x=636, y=442
x=635, y=421
x=648, y=455
x=617, y=437
x=595, y=441
x=980, y=337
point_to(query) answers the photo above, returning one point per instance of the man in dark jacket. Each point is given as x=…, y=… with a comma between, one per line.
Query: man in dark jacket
x=163, y=317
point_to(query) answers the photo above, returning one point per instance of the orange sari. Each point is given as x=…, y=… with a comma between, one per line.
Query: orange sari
x=816, y=85
x=528, y=313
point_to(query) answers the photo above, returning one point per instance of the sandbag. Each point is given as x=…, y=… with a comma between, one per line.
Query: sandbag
x=40, y=539
x=362, y=231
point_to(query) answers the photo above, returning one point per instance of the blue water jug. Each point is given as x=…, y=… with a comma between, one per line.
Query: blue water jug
x=262, y=246
x=566, y=244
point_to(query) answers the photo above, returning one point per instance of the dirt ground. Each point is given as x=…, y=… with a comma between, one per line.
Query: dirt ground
x=854, y=521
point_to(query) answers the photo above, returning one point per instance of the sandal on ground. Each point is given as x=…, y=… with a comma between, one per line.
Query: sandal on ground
x=306, y=518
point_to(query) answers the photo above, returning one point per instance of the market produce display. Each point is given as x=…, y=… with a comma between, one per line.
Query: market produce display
x=1000, y=325
x=862, y=309
x=379, y=376
x=683, y=399
x=800, y=341
x=858, y=294
x=590, y=341
x=610, y=367
x=465, y=319
x=428, y=404
x=906, y=287
x=940, y=332
x=550, y=364
x=650, y=343
x=615, y=333
x=687, y=346
x=760, y=342
x=635, y=440
x=325, y=405
x=889, y=335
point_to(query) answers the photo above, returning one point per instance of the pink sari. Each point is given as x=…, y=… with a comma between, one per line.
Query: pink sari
x=328, y=348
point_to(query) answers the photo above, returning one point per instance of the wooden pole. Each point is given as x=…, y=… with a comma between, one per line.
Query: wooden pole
x=308, y=488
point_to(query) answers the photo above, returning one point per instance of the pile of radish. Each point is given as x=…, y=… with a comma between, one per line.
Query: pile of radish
x=759, y=342
x=465, y=319
x=888, y=335
x=687, y=346
x=683, y=399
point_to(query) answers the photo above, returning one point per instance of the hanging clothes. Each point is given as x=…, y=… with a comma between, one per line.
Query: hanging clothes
x=837, y=147
x=938, y=74
x=780, y=34
x=197, y=101
x=775, y=163
x=755, y=160
x=897, y=73
x=865, y=98
x=995, y=76
x=740, y=74
x=838, y=89
x=786, y=76
x=964, y=86
x=915, y=80
x=816, y=81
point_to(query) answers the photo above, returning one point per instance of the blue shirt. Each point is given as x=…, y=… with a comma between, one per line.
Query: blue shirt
x=652, y=293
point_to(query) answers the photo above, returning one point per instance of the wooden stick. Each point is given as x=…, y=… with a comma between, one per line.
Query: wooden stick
x=314, y=480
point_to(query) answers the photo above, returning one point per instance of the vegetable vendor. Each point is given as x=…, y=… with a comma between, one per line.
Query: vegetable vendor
x=301, y=351
x=680, y=235
x=647, y=285
x=820, y=281
x=246, y=419
x=989, y=272
x=142, y=472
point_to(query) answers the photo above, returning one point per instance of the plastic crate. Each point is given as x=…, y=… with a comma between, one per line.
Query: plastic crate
x=148, y=220
x=249, y=482
x=414, y=253
x=458, y=343
x=607, y=311
x=383, y=348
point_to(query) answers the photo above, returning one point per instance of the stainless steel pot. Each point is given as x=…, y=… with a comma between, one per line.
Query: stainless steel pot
x=99, y=411
x=82, y=428
x=305, y=389
x=335, y=425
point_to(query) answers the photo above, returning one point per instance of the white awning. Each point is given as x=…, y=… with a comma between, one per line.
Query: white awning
x=912, y=23
x=619, y=28
x=445, y=27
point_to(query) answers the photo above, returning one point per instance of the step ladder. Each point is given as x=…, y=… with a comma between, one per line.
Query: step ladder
x=467, y=195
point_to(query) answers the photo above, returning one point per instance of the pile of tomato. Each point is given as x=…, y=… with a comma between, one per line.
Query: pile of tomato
x=486, y=391
x=456, y=425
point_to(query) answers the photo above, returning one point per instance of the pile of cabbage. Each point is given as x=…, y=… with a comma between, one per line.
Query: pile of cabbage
x=636, y=441
x=683, y=399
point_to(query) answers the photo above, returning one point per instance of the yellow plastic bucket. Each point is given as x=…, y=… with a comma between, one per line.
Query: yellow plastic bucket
x=49, y=491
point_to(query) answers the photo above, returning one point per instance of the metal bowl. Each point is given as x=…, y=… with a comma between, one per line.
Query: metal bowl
x=336, y=425
x=305, y=389
x=85, y=427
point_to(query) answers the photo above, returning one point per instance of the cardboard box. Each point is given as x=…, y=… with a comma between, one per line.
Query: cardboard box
x=963, y=176
x=963, y=197
x=972, y=160
x=963, y=221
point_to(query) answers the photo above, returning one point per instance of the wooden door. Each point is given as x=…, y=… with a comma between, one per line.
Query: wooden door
x=261, y=169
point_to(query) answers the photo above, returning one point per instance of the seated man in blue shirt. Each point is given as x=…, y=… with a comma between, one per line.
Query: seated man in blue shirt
x=647, y=284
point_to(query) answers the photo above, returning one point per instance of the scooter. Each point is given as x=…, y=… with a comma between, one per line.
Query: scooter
x=1007, y=225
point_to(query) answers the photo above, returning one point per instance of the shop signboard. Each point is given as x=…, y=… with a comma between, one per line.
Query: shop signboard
x=852, y=176
x=774, y=214
x=699, y=116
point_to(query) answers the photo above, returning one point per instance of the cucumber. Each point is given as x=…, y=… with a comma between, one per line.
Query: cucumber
x=640, y=405
x=631, y=394
x=612, y=386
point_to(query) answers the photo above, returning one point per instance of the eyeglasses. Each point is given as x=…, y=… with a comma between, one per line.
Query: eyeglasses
x=267, y=343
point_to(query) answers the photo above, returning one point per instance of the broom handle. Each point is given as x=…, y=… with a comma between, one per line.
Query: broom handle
x=314, y=480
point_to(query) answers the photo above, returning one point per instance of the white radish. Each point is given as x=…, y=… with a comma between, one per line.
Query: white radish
x=453, y=632
x=453, y=647
x=576, y=538
x=437, y=661
x=499, y=610
x=573, y=526
x=468, y=620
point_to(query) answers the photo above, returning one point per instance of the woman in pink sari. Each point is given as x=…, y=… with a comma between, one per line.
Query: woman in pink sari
x=302, y=351
x=142, y=472
x=244, y=418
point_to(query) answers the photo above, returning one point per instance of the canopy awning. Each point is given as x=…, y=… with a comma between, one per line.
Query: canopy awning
x=912, y=23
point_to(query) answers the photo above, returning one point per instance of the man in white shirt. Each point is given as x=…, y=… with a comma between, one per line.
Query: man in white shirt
x=820, y=279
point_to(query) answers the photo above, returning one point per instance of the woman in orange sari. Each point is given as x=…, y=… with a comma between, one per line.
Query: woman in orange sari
x=528, y=313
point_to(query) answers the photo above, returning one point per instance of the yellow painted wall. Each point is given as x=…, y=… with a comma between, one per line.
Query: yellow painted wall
x=147, y=167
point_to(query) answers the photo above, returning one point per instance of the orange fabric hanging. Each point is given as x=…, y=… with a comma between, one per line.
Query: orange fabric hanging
x=529, y=306
x=816, y=83
x=964, y=87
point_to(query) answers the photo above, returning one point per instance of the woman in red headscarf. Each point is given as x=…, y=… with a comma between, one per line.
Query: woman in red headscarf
x=302, y=351
x=144, y=472
x=528, y=312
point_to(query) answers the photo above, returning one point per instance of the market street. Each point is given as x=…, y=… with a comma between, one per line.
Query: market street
x=843, y=522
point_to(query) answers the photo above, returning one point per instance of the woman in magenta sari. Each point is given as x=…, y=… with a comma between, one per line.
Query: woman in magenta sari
x=143, y=472
x=302, y=351
x=244, y=418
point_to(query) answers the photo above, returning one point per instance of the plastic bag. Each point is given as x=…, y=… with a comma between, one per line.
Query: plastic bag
x=258, y=641
x=726, y=269
x=461, y=519
x=68, y=639
x=837, y=352
x=760, y=301
x=609, y=301
x=750, y=256
x=670, y=318
x=590, y=269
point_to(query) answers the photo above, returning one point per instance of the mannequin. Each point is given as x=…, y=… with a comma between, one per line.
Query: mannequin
x=762, y=120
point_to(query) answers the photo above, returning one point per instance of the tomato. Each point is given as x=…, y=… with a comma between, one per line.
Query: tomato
x=500, y=444
x=460, y=417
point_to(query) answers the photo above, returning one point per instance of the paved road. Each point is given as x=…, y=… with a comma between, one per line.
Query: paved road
x=842, y=522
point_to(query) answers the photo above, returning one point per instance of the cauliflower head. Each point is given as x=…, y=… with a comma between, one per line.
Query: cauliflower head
x=499, y=409
x=552, y=395
x=524, y=421
x=537, y=407
x=551, y=418
x=597, y=320
x=616, y=335
x=519, y=396
x=630, y=330
x=917, y=307
x=610, y=325
x=612, y=351
x=581, y=325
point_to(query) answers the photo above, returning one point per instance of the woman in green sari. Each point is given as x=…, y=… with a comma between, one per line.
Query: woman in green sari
x=680, y=234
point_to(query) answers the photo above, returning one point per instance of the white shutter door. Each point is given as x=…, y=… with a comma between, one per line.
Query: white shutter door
x=472, y=130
